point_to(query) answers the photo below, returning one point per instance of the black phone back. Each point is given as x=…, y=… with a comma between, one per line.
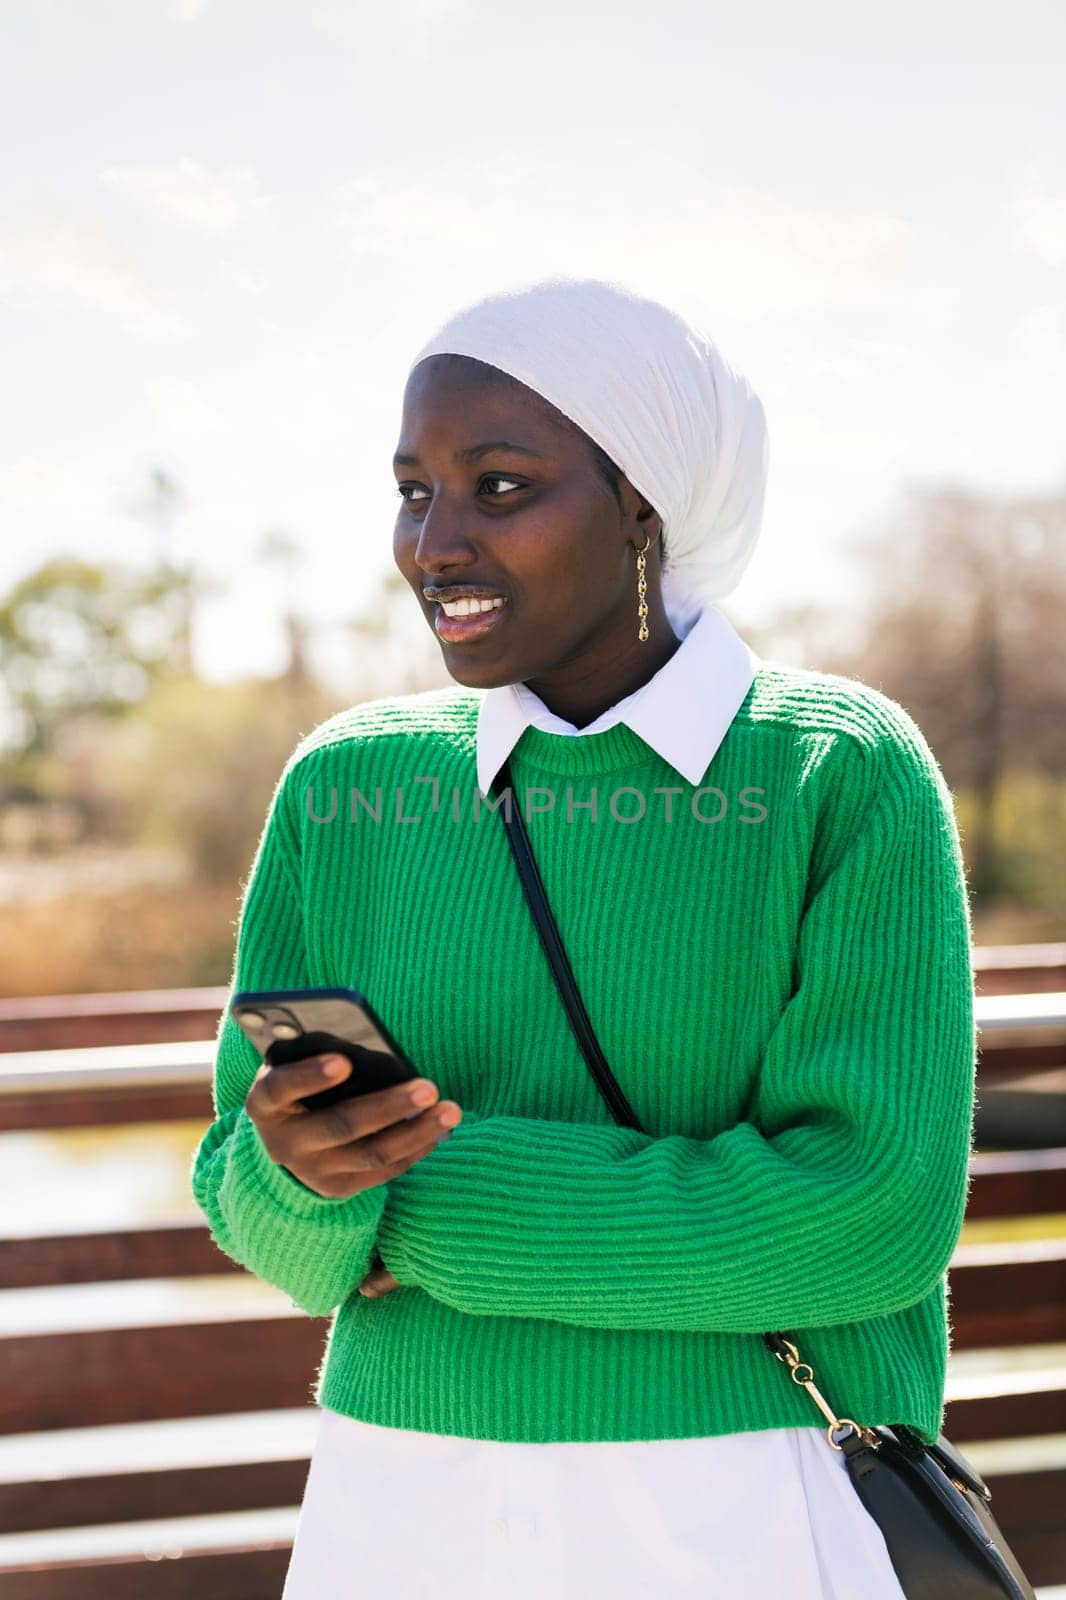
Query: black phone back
x=292, y=1024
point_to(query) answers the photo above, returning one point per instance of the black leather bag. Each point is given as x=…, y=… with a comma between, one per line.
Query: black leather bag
x=932, y=1506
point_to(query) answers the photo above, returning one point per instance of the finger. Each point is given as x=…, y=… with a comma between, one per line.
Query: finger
x=402, y=1142
x=386, y=1174
x=277, y=1088
x=363, y=1115
x=378, y=1281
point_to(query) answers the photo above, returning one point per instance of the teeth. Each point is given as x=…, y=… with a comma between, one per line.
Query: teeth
x=469, y=608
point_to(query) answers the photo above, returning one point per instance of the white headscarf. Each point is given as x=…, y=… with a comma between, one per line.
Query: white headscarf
x=657, y=395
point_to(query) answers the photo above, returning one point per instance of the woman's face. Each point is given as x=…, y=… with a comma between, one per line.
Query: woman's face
x=529, y=521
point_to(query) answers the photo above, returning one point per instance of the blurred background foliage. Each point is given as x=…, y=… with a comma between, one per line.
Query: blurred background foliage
x=132, y=792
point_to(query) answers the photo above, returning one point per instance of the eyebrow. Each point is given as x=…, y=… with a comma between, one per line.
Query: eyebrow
x=474, y=451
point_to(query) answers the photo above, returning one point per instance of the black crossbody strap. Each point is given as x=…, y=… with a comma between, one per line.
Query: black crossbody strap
x=552, y=944
x=907, y=1522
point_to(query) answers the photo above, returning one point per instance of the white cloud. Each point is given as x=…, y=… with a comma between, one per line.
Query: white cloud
x=417, y=22
x=866, y=361
x=248, y=280
x=1038, y=218
x=54, y=252
x=183, y=411
x=754, y=251
x=213, y=200
x=46, y=486
x=1041, y=334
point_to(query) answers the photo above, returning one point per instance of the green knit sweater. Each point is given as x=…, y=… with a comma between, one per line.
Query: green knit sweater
x=777, y=965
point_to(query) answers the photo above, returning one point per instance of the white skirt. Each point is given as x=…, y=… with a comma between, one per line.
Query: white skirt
x=387, y=1510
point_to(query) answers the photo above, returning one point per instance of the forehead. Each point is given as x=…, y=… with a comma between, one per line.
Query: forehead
x=437, y=383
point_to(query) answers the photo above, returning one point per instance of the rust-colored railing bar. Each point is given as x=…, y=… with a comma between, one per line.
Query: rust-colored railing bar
x=92, y=1376
x=138, y=1016
x=1019, y=968
x=100, y=1376
x=146, y=1016
x=1004, y=1184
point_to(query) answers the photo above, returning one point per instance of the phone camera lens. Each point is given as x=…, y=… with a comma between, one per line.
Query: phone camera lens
x=284, y=1030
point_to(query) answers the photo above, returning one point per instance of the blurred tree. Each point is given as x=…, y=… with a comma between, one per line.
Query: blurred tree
x=76, y=637
x=159, y=504
x=194, y=766
x=960, y=604
x=396, y=651
x=278, y=550
x=797, y=631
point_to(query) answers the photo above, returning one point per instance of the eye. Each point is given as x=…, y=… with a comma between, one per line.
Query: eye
x=496, y=477
x=490, y=477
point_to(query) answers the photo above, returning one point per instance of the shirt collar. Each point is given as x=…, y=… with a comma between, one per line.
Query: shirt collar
x=683, y=712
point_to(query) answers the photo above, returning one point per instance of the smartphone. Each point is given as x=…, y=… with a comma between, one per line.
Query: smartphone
x=292, y=1024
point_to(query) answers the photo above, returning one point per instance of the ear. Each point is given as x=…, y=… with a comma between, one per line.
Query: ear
x=650, y=523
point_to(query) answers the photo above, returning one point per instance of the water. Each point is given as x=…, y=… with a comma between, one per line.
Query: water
x=77, y=1179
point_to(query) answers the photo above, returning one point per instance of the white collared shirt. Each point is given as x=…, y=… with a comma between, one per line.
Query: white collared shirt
x=683, y=711
x=763, y=1512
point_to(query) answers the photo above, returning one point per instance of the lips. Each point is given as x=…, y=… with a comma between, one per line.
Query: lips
x=460, y=630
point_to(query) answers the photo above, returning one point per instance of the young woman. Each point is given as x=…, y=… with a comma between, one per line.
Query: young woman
x=544, y=1374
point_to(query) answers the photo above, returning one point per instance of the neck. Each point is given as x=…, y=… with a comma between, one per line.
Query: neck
x=580, y=691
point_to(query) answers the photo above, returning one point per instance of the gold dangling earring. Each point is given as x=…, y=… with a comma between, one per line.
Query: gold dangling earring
x=642, y=590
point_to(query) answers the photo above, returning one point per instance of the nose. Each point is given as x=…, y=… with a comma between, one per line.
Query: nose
x=442, y=542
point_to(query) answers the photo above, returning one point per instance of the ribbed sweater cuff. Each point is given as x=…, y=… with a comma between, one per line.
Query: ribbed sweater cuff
x=274, y=1188
x=315, y=1248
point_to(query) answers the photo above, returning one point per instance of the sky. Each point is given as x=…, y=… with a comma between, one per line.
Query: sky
x=225, y=229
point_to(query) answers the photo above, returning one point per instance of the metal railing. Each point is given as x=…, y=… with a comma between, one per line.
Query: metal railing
x=239, y=1367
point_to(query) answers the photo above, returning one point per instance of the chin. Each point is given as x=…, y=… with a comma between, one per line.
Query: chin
x=478, y=675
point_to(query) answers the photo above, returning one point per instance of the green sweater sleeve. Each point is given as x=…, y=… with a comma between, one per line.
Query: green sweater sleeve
x=315, y=1248
x=840, y=1196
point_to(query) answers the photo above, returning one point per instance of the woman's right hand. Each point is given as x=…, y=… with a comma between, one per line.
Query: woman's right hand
x=353, y=1144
